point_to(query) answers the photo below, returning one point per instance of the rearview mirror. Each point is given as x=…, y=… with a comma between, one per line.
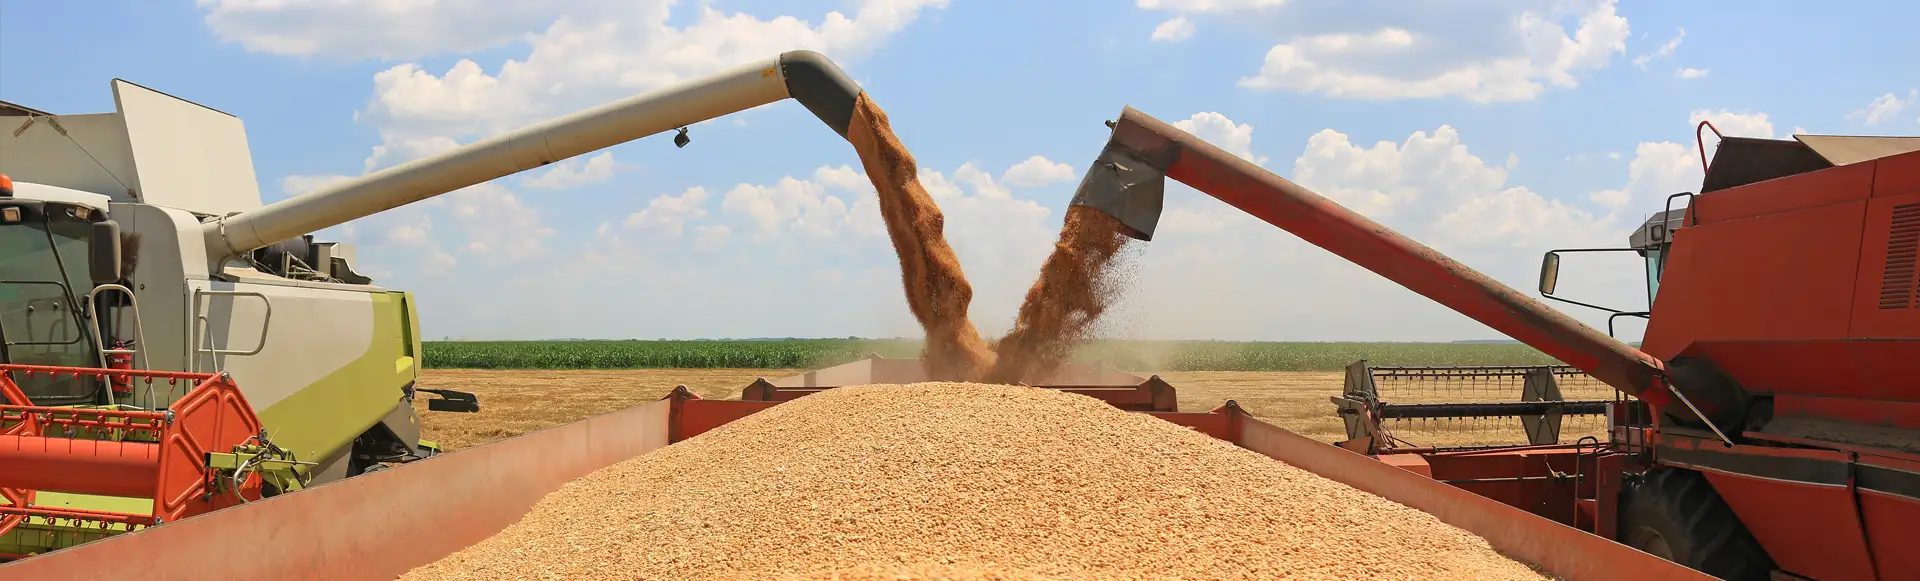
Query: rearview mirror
x=1549, y=273
x=103, y=251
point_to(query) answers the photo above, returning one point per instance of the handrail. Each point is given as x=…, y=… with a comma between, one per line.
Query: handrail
x=139, y=334
x=201, y=320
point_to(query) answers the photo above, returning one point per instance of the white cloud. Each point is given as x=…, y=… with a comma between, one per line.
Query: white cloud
x=1513, y=57
x=585, y=58
x=711, y=238
x=1665, y=50
x=1658, y=169
x=1036, y=171
x=402, y=149
x=574, y=173
x=439, y=263
x=1217, y=129
x=295, y=185
x=1884, y=108
x=1734, y=124
x=1691, y=73
x=382, y=29
x=789, y=205
x=667, y=216
x=1174, y=29
x=1215, y=272
x=411, y=234
x=1207, y=5
x=497, y=225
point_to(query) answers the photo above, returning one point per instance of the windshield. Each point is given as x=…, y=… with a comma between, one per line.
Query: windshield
x=43, y=279
x=1654, y=267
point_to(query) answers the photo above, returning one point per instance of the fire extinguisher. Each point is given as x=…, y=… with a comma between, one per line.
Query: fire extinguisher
x=122, y=358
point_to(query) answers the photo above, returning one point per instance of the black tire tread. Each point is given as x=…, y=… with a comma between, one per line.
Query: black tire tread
x=1716, y=542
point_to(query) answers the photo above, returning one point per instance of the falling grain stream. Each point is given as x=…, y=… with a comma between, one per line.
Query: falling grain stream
x=1075, y=285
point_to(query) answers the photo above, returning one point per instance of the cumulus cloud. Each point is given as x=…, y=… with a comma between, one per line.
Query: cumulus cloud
x=578, y=61
x=1658, y=169
x=1735, y=124
x=1429, y=50
x=1691, y=73
x=666, y=216
x=297, y=184
x=1215, y=272
x=1037, y=171
x=711, y=238
x=497, y=224
x=377, y=28
x=1208, y=5
x=1217, y=129
x=1665, y=50
x=1884, y=108
x=574, y=173
x=1174, y=29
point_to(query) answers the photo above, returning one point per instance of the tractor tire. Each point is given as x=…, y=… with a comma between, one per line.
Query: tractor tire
x=1675, y=514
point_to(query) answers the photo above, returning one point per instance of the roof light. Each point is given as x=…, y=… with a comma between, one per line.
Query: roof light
x=6, y=186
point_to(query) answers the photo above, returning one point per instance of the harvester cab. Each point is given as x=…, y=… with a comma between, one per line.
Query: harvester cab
x=1781, y=357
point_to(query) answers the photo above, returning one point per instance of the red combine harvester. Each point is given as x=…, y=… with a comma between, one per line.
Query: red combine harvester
x=1772, y=421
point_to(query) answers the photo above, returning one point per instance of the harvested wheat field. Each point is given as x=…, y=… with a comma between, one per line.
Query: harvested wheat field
x=966, y=481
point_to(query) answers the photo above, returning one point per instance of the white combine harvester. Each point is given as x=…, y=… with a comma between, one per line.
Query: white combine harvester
x=172, y=346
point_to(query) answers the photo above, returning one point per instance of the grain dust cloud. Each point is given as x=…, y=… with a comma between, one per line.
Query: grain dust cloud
x=1076, y=284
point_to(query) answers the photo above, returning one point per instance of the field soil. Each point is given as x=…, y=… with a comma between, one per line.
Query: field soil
x=514, y=402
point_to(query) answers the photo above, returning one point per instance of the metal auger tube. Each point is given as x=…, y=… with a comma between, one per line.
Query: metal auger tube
x=805, y=76
x=1127, y=182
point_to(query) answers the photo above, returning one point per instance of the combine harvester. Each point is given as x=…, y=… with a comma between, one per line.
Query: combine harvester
x=223, y=475
x=1771, y=428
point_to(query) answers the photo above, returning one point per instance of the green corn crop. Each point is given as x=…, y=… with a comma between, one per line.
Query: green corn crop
x=815, y=353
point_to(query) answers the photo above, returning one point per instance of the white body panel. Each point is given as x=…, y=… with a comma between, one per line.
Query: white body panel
x=46, y=193
x=312, y=332
x=187, y=156
x=96, y=159
x=158, y=149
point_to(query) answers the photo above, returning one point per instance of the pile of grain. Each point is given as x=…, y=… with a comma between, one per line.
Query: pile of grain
x=965, y=481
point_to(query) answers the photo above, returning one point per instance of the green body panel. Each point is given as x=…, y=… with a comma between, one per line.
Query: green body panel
x=327, y=415
x=313, y=422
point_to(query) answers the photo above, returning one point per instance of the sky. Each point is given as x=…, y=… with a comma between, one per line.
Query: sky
x=1491, y=130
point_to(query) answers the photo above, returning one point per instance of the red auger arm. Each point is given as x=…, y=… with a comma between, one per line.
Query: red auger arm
x=1126, y=182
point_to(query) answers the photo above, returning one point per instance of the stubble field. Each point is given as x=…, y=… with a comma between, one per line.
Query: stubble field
x=515, y=402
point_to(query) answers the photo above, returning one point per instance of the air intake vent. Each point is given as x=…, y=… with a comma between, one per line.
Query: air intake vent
x=1903, y=242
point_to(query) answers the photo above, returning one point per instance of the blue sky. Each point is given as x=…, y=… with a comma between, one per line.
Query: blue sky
x=1491, y=130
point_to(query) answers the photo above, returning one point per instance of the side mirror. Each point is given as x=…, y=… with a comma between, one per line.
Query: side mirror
x=1549, y=273
x=103, y=251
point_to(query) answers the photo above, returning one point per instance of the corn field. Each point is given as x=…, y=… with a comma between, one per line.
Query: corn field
x=814, y=353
